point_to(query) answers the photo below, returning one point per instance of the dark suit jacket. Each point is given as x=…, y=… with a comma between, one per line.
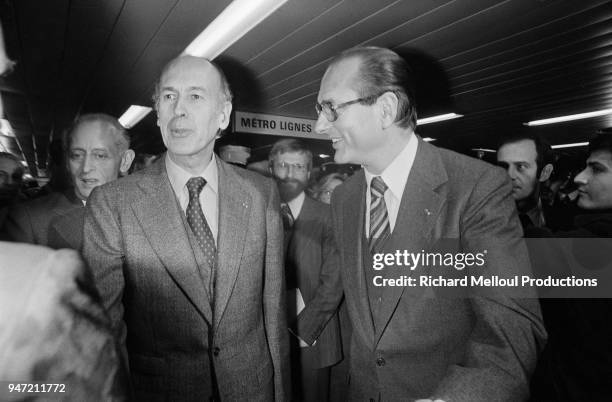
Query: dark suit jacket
x=66, y=231
x=313, y=258
x=477, y=348
x=30, y=221
x=53, y=328
x=147, y=271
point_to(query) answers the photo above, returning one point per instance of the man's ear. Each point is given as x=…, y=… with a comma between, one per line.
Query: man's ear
x=126, y=161
x=387, y=103
x=546, y=172
x=225, y=114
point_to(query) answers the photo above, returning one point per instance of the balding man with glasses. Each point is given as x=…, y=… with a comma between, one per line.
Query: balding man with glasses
x=407, y=344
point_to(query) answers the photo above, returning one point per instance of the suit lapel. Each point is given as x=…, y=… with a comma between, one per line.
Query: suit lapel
x=418, y=212
x=159, y=215
x=354, y=271
x=234, y=207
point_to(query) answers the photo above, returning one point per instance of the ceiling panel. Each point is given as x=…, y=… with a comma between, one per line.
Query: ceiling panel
x=500, y=63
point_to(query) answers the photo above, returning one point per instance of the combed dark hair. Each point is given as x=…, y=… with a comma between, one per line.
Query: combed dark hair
x=290, y=145
x=122, y=139
x=601, y=142
x=382, y=70
x=225, y=87
x=544, y=154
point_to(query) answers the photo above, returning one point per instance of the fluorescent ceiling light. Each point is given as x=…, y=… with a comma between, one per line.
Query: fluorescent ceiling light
x=569, y=117
x=236, y=20
x=323, y=156
x=575, y=144
x=133, y=115
x=440, y=117
x=429, y=139
x=6, y=129
x=484, y=150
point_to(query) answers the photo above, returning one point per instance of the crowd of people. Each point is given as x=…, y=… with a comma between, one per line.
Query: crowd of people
x=208, y=281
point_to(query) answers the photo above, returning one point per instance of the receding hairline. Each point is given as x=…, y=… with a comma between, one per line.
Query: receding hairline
x=108, y=125
x=223, y=84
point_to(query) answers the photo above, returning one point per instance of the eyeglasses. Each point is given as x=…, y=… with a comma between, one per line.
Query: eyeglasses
x=331, y=112
x=285, y=167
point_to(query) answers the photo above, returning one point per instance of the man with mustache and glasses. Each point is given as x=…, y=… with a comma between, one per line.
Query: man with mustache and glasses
x=311, y=268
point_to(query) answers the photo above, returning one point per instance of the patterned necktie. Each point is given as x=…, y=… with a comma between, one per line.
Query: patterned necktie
x=288, y=219
x=379, y=218
x=199, y=226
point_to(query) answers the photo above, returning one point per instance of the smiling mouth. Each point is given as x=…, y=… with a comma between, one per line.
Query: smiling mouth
x=336, y=140
x=89, y=181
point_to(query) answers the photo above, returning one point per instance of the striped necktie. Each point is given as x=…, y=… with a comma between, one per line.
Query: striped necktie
x=379, y=218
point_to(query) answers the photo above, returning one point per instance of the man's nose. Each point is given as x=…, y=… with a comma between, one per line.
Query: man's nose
x=179, y=106
x=88, y=164
x=581, y=178
x=322, y=125
x=511, y=170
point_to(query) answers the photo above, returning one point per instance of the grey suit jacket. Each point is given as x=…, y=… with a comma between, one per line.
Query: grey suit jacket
x=312, y=257
x=147, y=273
x=30, y=221
x=480, y=347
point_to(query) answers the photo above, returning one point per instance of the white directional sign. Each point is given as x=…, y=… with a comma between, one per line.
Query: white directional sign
x=268, y=124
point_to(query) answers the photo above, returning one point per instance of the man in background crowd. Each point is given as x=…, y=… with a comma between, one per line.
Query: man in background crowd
x=311, y=266
x=407, y=345
x=98, y=151
x=11, y=177
x=526, y=158
x=187, y=256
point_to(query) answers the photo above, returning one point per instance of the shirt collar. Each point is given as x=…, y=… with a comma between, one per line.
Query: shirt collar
x=396, y=174
x=295, y=205
x=179, y=176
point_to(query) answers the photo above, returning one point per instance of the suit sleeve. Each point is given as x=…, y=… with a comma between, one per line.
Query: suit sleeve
x=317, y=313
x=508, y=334
x=274, y=298
x=18, y=225
x=103, y=252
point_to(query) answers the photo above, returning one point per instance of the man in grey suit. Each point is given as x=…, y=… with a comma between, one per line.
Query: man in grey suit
x=97, y=151
x=311, y=267
x=408, y=345
x=187, y=255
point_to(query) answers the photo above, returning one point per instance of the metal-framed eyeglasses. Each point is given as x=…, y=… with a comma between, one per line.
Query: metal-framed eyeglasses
x=330, y=111
x=285, y=167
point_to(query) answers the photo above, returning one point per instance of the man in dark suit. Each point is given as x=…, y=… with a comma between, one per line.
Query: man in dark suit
x=526, y=158
x=408, y=345
x=97, y=152
x=311, y=267
x=187, y=255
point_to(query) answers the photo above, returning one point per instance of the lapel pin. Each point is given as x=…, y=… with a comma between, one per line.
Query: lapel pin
x=427, y=212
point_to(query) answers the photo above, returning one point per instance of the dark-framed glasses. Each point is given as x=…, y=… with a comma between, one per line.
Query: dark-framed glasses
x=330, y=111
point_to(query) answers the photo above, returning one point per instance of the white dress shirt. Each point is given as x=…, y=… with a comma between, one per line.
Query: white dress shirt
x=209, y=197
x=395, y=176
x=295, y=205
